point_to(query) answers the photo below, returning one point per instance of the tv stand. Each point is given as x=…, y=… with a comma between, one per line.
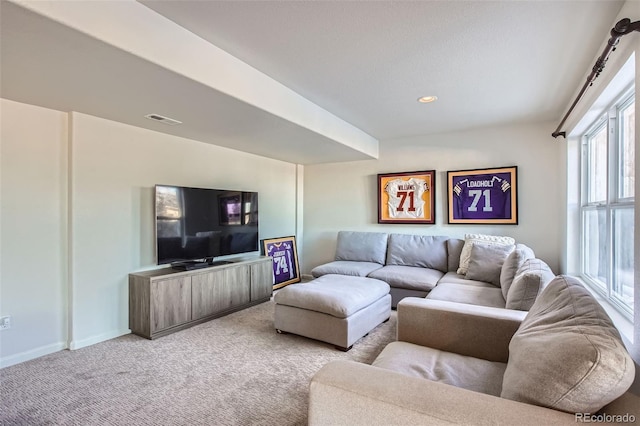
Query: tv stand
x=162, y=301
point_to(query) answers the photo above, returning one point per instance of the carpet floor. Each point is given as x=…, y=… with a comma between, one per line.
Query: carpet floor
x=234, y=370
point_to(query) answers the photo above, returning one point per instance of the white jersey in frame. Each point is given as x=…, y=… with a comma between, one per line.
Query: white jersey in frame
x=405, y=198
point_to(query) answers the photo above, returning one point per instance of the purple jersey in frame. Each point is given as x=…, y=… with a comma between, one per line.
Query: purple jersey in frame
x=482, y=196
x=284, y=265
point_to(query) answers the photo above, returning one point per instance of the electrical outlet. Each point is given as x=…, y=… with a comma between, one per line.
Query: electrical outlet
x=5, y=322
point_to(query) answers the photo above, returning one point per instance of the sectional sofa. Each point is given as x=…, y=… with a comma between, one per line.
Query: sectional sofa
x=482, y=270
x=563, y=362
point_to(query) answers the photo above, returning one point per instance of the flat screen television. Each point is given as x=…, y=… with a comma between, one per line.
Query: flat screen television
x=195, y=225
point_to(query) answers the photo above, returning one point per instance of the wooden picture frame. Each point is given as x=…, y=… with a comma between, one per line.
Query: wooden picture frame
x=407, y=197
x=284, y=253
x=483, y=196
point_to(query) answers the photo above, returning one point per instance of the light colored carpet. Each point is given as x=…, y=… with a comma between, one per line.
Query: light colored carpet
x=234, y=370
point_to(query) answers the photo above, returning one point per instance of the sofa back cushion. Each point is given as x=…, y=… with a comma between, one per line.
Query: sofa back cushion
x=485, y=262
x=469, y=239
x=567, y=354
x=454, y=249
x=362, y=246
x=530, y=280
x=511, y=265
x=426, y=251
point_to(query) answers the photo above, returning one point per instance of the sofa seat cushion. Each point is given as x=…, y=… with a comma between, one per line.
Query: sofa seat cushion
x=455, y=278
x=345, y=267
x=336, y=295
x=567, y=354
x=470, y=294
x=409, y=277
x=465, y=372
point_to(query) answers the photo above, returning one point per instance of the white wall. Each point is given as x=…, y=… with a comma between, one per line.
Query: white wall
x=111, y=171
x=343, y=196
x=33, y=243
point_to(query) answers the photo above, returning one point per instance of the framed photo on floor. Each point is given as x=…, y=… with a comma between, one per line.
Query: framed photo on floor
x=285, y=260
x=483, y=196
x=407, y=197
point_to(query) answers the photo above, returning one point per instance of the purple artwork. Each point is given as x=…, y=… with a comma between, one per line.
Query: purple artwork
x=285, y=260
x=484, y=196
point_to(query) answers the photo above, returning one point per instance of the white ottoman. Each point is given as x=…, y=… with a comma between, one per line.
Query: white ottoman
x=336, y=309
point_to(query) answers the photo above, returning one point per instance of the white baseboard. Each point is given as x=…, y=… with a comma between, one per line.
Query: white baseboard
x=32, y=354
x=79, y=344
x=56, y=347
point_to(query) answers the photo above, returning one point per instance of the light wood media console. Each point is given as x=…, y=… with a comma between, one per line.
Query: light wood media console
x=163, y=301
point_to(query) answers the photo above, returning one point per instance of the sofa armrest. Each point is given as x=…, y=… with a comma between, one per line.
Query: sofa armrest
x=471, y=330
x=351, y=393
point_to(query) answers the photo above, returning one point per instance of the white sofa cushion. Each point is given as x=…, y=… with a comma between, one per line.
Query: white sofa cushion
x=532, y=277
x=465, y=372
x=345, y=267
x=511, y=265
x=485, y=262
x=469, y=294
x=567, y=354
x=469, y=239
x=408, y=277
x=362, y=246
x=335, y=295
x=424, y=251
x=454, y=278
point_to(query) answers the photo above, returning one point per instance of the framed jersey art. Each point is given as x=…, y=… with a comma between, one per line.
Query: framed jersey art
x=285, y=260
x=484, y=196
x=406, y=197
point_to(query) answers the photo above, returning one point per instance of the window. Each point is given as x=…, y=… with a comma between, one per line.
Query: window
x=607, y=207
x=169, y=212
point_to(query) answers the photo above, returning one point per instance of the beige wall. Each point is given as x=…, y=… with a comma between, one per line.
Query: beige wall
x=343, y=196
x=103, y=230
x=113, y=172
x=33, y=223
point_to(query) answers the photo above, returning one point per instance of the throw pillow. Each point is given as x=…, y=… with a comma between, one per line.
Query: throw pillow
x=532, y=277
x=469, y=239
x=567, y=354
x=510, y=267
x=485, y=262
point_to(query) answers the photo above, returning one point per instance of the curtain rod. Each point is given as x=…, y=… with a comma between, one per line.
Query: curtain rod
x=623, y=27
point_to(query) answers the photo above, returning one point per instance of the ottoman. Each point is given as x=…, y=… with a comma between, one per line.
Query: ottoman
x=336, y=309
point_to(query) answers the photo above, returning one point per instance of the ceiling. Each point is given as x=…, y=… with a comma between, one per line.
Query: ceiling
x=360, y=63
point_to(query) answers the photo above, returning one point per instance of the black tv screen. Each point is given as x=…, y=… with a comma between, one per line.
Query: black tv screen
x=200, y=224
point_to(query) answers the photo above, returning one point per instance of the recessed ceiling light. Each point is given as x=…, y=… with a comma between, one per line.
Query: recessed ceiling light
x=427, y=99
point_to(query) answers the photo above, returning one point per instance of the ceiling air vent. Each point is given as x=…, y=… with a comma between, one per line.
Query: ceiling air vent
x=162, y=119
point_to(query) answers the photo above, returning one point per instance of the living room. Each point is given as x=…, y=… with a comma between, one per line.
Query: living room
x=77, y=190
